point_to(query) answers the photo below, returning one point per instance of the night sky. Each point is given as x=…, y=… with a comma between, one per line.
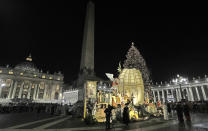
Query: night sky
x=53, y=30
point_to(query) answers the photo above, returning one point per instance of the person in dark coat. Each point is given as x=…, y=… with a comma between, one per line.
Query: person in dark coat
x=186, y=111
x=126, y=115
x=38, y=110
x=141, y=109
x=195, y=107
x=169, y=108
x=52, y=109
x=108, y=116
x=179, y=110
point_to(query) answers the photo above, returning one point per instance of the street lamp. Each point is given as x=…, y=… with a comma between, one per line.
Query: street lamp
x=180, y=80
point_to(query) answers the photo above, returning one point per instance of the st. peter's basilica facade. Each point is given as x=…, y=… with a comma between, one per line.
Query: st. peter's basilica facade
x=26, y=82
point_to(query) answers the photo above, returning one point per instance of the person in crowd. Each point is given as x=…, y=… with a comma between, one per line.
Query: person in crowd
x=186, y=111
x=38, y=110
x=52, y=109
x=172, y=107
x=141, y=109
x=108, y=116
x=126, y=114
x=195, y=107
x=179, y=110
x=169, y=108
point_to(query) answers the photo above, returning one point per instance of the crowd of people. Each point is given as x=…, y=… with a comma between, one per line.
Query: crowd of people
x=195, y=107
x=52, y=108
x=183, y=109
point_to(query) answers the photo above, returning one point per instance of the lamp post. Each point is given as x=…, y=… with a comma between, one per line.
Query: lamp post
x=181, y=91
x=179, y=80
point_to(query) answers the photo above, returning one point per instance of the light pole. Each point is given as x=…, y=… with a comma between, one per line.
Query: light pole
x=181, y=91
x=179, y=80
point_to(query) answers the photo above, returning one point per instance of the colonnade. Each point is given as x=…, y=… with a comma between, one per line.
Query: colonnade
x=190, y=92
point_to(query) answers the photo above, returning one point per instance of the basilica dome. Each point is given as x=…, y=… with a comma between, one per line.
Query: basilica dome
x=27, y=65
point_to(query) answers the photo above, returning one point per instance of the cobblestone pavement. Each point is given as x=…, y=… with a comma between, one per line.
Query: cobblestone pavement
x=30, y=121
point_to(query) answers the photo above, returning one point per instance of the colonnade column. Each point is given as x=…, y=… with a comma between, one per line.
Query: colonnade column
x=203, y=93
x=163, y=96
x=29, y=91
x=187, y=93
x=34, y=94
x=197, y=92
x=10, y=89
x=179, y=92
x=167, y=94
x=21, y=89
x=191, y=94
x=177, y=95
x=53, y=92
x=45, y=89
x=14, y=90
x=158, y=93
x=49, y=90
x=37, y=95
x=171, y=90
x=154, y=96
x=60, y=93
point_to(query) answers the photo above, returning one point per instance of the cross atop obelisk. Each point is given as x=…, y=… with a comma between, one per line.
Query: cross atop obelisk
x=87, y=58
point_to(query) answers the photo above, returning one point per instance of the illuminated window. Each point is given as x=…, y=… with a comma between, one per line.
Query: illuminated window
x=21, y=73
x=58, y=78
x=43, y=76
x=35, y=75
x=0, y=71
x=11, y=72
x=29, y=59
x=50, y=77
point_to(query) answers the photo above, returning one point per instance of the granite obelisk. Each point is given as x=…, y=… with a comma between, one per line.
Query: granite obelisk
x=87, y=58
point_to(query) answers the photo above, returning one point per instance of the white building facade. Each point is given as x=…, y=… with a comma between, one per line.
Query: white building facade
x=25, y=81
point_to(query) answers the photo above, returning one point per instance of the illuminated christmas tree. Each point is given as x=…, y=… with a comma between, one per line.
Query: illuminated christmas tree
x=135, y=60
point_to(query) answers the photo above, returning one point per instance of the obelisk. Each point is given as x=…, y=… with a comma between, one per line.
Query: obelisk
x=87, y=58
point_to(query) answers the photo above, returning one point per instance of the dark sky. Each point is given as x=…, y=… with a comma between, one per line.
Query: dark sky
x=52, y=31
